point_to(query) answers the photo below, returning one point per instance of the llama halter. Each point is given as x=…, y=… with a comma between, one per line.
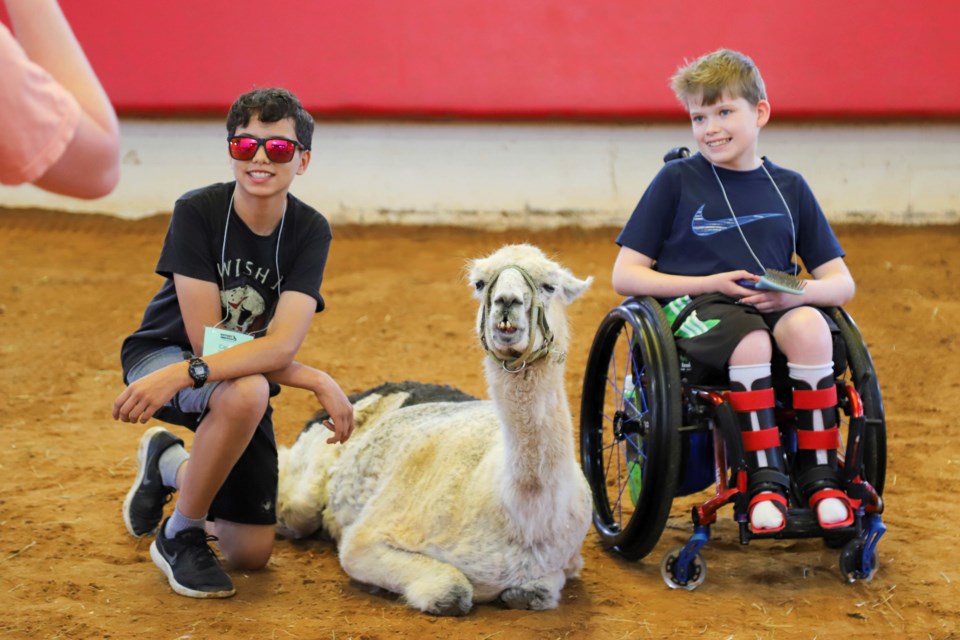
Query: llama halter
x=536, y=317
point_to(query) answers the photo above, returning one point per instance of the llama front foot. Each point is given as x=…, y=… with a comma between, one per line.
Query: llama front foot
x=427, y=584
x=449, y=594
x=539, y=594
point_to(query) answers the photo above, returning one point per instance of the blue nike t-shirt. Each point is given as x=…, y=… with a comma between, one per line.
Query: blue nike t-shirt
x=684, y=223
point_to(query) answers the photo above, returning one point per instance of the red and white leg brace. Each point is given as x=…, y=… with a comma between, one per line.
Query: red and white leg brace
x=751, y=396
x=818, y=438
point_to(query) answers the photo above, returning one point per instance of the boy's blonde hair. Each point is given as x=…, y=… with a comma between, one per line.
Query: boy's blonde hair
x=713, y=74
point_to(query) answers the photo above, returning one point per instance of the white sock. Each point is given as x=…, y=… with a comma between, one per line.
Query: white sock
x=766, y=515
x=177, y=522
x=831, y=511
x=169, y=463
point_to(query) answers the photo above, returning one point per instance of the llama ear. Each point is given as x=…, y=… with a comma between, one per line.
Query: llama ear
x=572, y=287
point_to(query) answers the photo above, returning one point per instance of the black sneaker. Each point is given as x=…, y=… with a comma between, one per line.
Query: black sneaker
x=191, y=566
x=143, y=506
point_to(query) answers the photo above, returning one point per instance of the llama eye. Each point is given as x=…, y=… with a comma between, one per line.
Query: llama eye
x=548, y=288
x=479, y=285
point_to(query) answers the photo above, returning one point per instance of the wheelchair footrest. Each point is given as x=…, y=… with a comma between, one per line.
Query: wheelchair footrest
x=801, y=523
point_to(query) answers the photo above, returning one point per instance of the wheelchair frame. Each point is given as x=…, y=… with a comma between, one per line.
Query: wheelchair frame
x=644, y=429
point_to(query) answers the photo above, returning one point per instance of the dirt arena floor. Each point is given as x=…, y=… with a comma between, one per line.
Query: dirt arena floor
x=73, y=286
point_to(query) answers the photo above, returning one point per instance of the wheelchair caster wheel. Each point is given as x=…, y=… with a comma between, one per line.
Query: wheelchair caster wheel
x=696, y=572
x=851, y=562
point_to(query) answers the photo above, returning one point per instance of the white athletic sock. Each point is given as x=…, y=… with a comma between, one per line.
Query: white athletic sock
x=831, y=511
x=170, y=461
x=765, y=515
x=178, y=522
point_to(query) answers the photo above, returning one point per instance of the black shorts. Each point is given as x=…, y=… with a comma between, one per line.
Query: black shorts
x=708, y=334
x=249, y=494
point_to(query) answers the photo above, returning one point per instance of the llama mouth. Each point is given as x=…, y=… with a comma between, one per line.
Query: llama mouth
x=505, y=326
x=507, y=337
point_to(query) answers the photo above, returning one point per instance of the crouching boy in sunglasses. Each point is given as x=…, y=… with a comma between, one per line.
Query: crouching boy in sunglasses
x=241, y=260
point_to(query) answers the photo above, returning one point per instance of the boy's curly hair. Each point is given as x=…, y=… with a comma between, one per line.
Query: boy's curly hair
x=271, y=105
x=711, y=75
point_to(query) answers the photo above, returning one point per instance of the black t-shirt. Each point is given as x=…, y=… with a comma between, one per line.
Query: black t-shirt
x=245, y=268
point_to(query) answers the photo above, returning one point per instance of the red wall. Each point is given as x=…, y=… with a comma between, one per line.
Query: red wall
x=604, y=59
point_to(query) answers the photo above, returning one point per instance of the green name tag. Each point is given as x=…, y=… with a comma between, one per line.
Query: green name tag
x=216, y=340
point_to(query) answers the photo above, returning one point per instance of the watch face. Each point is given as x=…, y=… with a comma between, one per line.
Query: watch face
x=198, y=371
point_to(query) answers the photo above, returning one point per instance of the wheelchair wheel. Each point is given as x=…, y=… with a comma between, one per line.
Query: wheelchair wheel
x=862, y=375
x=629, y=419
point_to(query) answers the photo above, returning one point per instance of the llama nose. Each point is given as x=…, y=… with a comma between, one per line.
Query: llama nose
x=507, y=301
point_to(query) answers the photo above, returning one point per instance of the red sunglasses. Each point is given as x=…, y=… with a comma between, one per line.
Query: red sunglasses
x=279, y=150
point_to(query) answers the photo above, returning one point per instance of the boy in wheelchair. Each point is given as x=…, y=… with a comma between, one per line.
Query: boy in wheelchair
x=714, y=238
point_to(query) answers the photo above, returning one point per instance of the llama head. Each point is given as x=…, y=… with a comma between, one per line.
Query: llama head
x=522, y=297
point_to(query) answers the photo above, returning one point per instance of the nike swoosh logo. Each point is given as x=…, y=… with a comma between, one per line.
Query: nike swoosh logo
x=703, y=227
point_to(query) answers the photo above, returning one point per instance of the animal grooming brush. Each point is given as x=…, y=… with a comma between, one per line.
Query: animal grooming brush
x=774, y=280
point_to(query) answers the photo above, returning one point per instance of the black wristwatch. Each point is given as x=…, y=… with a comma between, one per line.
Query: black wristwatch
x=199, y=372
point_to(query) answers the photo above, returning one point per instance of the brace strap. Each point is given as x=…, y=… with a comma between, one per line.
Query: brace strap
x=815, y=399
x=772, y=497
x=826, y=439
x=746, y=401
x=832, y=493
x=839, y=495
x=760, y=440
x=818, y=474
x=769, y=476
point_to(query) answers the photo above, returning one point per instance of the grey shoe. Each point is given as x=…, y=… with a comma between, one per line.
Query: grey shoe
x=191, y=566
x=143, y=506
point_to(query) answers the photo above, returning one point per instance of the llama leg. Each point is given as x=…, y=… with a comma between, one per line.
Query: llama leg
x=751, y=395
x=573, y=566
x=542, y=593
x=815, y=401
x=426, y=584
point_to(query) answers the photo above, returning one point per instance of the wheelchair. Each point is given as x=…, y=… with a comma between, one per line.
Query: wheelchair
x=648, y=435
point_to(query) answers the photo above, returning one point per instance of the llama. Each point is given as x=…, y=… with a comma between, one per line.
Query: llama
x=453, y=503
x=305, y=467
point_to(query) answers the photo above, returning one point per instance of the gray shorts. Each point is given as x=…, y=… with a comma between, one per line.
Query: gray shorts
x=249, y=494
